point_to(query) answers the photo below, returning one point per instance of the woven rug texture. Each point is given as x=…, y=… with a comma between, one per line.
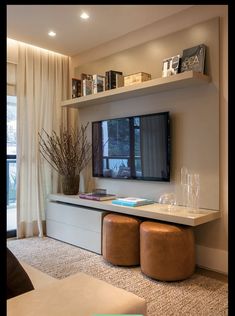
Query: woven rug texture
x=196, y=296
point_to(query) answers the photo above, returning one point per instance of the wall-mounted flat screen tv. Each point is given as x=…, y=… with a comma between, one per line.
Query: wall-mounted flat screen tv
x=136, y=147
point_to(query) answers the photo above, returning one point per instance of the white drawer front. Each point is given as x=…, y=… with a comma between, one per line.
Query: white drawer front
x=86, y=239
x=74, y=215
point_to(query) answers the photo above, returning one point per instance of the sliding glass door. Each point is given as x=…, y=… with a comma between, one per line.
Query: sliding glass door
x=11, y=166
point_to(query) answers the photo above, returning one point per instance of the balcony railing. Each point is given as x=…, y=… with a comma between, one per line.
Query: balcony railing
x=11, y=181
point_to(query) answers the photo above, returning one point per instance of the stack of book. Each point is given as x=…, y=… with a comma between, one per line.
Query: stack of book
x=113, y=79
x=86, y=80
x=91, y=84
x=171, y=66
x=97, y=196
x=132, y=201
x=76, y=88
x=98, y=83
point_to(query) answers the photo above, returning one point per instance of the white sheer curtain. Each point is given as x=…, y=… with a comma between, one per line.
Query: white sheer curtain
x=42, y=82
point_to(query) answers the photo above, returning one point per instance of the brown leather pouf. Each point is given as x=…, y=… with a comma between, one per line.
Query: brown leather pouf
x=121, y=241
x=167, y=251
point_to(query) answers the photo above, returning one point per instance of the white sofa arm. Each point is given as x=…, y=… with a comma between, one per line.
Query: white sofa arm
x=38, y=278
x=79, y=294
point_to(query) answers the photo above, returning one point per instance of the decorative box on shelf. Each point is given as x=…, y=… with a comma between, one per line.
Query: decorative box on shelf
x=136, y=78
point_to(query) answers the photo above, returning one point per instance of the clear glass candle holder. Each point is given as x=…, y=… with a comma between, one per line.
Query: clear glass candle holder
x=193, y=191
x=169, y=199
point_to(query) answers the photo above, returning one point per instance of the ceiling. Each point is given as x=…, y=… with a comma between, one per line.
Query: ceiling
x=31, y=24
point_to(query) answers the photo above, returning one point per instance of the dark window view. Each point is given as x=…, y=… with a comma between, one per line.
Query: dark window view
x=11, y=163
x=132, y=148
x=116, y=148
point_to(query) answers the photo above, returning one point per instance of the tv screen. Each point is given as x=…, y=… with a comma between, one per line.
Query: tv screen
x=136, y=147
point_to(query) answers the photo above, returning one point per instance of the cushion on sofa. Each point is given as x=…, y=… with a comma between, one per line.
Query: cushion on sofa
x=18, y=281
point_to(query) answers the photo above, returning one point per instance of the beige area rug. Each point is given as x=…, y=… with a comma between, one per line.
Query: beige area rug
x=198, y=295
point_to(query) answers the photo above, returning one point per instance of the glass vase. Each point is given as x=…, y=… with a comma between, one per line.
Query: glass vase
x=193, y=191
x=184, y=186
x=70, y=184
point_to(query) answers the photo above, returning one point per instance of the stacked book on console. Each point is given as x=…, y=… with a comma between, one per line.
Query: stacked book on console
x=97, y=196
x=132, y=201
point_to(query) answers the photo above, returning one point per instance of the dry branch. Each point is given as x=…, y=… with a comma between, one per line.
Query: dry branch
x=68, y=153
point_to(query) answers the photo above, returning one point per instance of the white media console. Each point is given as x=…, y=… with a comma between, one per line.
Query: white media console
x=79, y=222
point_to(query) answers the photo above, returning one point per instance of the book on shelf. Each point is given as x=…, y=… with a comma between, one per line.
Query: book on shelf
x=171, y=66
x=132, y=201
x=76, y=88
x=193, y=58
x=97, y=196
x=111, y=79
x=98, y=83
x=119, y=81
x=87, y=86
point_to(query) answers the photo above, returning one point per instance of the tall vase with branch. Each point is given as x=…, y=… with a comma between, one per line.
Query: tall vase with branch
x=68, y=152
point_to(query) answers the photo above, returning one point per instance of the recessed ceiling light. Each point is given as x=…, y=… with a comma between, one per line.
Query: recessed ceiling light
x=51, y=33
x=84, y=16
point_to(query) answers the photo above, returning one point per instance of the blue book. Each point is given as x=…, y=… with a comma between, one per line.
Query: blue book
x=132, y=201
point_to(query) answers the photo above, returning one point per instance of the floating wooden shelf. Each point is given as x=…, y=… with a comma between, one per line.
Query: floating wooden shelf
x=181, y=80
x=179, y=214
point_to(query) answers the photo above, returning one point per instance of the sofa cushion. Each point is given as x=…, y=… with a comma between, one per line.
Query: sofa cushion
x=18, y=281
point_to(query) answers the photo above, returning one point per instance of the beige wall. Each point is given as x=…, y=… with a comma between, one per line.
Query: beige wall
x=217, y=232
x=194, y=112
x=211, y=237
